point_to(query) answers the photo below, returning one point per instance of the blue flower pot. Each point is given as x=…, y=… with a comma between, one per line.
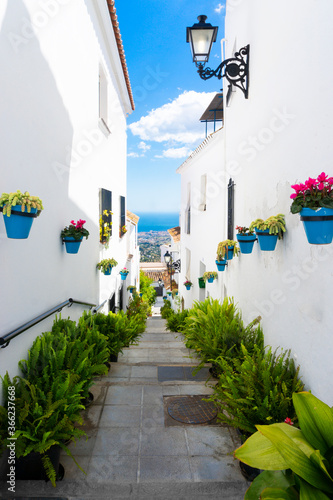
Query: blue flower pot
x=246, y=242
x=318, y=225
x=210, y=280
x=164, y=298
x=221, y=264
x=72, y=245
x=123, y=276
x=108, y=272
x=267, y=242
x=188, y=287
x=230, y=253
x=19, y=223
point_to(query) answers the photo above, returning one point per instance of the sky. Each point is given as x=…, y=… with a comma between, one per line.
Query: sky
x=169, y=95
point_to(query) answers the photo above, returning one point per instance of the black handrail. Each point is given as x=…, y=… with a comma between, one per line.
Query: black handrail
x=94, y=311
x=4, y=341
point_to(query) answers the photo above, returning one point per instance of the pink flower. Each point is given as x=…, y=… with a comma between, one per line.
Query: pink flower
x=288, y=421
x=330, y=180
x=310, y=183
x=322, y=177
x=72, y=222
x=292, y=196
x=321, y=186
x=296, y=187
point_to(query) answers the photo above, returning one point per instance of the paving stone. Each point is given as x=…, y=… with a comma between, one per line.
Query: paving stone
x=161, y=441
x=166, y=373
x=119, y=370
x=120, y=416
x=152, y=395
x=117, y=441
x=169, y=469
x=107, y=469
x=144, y=372
x=209, y=468
x=152, y=417
x=126, y=395
x=209, y=440
x=72, y=471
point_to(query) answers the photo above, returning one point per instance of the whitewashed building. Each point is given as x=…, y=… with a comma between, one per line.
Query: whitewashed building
x=65, y=95
x=280, y=135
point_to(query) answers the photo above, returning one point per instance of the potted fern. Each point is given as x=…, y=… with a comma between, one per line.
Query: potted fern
x=221, y=261
x=228, y=248
x=106, y=265
x=269, y=231
x=209, y=276
x=19, y=210
x=73, y=234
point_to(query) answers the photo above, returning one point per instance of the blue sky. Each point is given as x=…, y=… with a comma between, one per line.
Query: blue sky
x=169, y=95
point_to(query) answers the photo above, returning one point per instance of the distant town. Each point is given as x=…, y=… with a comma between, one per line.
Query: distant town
x=150, y=243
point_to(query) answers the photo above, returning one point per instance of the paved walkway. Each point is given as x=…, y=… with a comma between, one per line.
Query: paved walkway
x=135, y=450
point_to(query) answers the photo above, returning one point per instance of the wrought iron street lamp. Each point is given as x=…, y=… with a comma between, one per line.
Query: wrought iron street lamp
x=236, y=69
x=168, y=261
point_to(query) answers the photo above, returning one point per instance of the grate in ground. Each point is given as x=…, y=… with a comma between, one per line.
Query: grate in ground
x=189, y=410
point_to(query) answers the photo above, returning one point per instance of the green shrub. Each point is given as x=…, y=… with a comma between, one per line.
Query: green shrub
x=216, y=330
x=256, y=388
x=45, y=418
x=148, y=292
x=166, y=309
x=176, y=321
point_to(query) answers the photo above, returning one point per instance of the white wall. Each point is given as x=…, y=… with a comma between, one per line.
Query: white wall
x=207, y=227
x=53, y=146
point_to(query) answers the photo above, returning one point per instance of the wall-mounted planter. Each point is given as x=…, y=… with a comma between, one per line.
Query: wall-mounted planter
x=72, y=245
x=131, y=289
x=230, y=253
x=221, y=264
x=188, y=287
x=107, y=272
x=19, y=223
x=202, y=283
x=210, y=280
x=246, y=242
x=123, y=276
x=267, y=242
x=318, y=225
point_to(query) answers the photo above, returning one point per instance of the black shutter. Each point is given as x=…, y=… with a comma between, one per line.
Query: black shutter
x=231, y=192
x=122, y=222
x=105, y=205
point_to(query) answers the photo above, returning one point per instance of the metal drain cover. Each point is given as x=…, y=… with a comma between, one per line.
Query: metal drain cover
x=192, y=410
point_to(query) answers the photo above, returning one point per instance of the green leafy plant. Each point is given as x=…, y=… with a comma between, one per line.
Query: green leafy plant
x=209, y=275
x=216, y=330
x=188, y=283
x=222, y=248
x=105, y=228
x=45, y=418
x=106, y=264
x=9, y=200
x=166, y=309
x=297, y=463
x=174, y=292
x=176, y=321
x=256, y=388
x=130, y=288
x=75, y=230
x=275, y=223
x=244, y=231
x=148, y=292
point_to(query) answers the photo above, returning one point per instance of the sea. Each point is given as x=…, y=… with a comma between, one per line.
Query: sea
x=153, y=221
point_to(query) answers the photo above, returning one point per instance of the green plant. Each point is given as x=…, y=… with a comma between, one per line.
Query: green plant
x=216, y=330
x=105, y=228
x=75, y=230
x=314, y=193
x=188, y=283
x=275, y=223
x=124, y=271
x=106, y=264
x=222, y=248
x=148, y=292
x=9, y=200
x=130, y=288
x=244, y=231
x=166, y=309
x=176, y=321
x=256, y=388
x=108, y=325
x=209, y=275
x=174, y=292
x=45, y=418
x=297, y=463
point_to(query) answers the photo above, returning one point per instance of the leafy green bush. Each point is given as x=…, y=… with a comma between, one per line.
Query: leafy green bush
x=176, y=321
x=45, y=418
x=166, y=309
x=148, y=292
x=256, y=388
x=216, y=330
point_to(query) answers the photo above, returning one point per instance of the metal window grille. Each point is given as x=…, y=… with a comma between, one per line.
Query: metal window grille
x=231, y=195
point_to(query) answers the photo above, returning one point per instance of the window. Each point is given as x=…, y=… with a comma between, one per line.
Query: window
x=188, y=211
x=103, y=100
x=231, y=192
x=122, y=219
x=105, y=216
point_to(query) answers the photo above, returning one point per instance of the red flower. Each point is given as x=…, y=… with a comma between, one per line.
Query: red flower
x=322, y=177
x=288, y=421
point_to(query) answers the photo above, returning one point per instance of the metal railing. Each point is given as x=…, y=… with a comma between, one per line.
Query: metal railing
x=5, y=339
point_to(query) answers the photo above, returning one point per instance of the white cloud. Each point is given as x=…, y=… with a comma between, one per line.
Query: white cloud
x=143, y=146
x=176, y=153
x=133, y=155
x=219, y=8
x=177, y=121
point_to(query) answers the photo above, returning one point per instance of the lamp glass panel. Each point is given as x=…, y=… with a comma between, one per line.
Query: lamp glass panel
x=201, y=44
